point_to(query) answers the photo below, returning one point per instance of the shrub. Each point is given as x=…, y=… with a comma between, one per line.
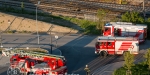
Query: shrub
x=10, y=31
x=132, y=17
x=138, y=69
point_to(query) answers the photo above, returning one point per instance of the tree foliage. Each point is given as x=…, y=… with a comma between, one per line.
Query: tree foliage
x=129, y=60
x=147, y=57
x=22, y=7
x=148, y=27
x=101, y=14
x=138, y=69
x=132, y=17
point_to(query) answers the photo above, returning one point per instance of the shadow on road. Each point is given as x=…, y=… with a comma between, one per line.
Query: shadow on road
x=78, y=53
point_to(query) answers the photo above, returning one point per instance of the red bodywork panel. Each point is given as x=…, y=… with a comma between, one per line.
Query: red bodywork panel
x=106, y=46
x=125, y=45
x=110, y=46
x=108, y=31
x=53, y=63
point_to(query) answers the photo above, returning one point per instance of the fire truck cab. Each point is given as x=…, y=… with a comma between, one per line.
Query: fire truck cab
x=126, y=29
x=116, y=45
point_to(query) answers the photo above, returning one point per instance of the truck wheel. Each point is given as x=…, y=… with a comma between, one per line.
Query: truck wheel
x=103, y=53
x=15, y=71
x=30, y=73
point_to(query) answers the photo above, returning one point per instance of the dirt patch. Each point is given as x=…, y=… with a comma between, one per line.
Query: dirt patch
x=11, y=22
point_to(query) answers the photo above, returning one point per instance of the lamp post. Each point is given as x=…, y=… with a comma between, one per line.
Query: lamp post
x=8, y=24
x=36, y=22
x=51, y=38
x=87, y=70
x=1, y=36
x=51, y=41
x=56, y=37
x=1, y=47
x=144, y=9
x=27, y=48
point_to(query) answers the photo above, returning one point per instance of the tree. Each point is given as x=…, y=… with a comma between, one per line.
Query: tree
x=126, y=17
x=129, y=62
x=148, y=29
x=101, y=14
x=147, y=57
x=132, y=17
x=22, y=7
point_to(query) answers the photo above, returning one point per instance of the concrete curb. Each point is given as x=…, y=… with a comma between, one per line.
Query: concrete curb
x=60, y=53
x=18, y=34
x=45, y=33
x=40, y=34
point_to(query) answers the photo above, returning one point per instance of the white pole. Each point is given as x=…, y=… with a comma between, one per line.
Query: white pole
x=144, y=8
x=36, y=21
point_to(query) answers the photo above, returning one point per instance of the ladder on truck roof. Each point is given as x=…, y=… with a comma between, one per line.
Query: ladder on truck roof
x=31, y=53
x=128, y=24
x=116, y=38
x=122, y=23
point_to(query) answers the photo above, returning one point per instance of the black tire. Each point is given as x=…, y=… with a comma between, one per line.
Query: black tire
x=15, y=71
x=30, y=73
x=100, y=54
x=103, y=54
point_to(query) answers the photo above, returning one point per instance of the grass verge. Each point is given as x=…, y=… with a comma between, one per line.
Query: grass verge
x=87, y=27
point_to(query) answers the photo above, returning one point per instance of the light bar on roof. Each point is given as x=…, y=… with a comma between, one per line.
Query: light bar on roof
x=116, y=38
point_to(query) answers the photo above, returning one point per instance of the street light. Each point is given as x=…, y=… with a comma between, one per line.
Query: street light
x=36, y=21
x=144, y=9
x=51, y=39
x=1, y=35
x=1, y=46
x=87, y=70
x=27, y=48
x=8, y=24
x=56, y=37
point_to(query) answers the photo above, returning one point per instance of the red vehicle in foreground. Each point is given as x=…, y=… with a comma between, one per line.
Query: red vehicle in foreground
x=35, y=63
x=116, y=45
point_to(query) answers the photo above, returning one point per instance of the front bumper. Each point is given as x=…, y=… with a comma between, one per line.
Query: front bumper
x=96, y=52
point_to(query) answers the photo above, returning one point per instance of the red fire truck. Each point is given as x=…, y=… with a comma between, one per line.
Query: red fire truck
x=125, y=29
x=116, y=45
x=35, y=63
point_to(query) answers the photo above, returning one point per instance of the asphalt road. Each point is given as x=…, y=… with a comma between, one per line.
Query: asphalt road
x=77, y=49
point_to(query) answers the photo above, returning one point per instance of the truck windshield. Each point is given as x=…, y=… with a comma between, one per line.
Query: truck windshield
x=107, y=29
x=137, y=44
